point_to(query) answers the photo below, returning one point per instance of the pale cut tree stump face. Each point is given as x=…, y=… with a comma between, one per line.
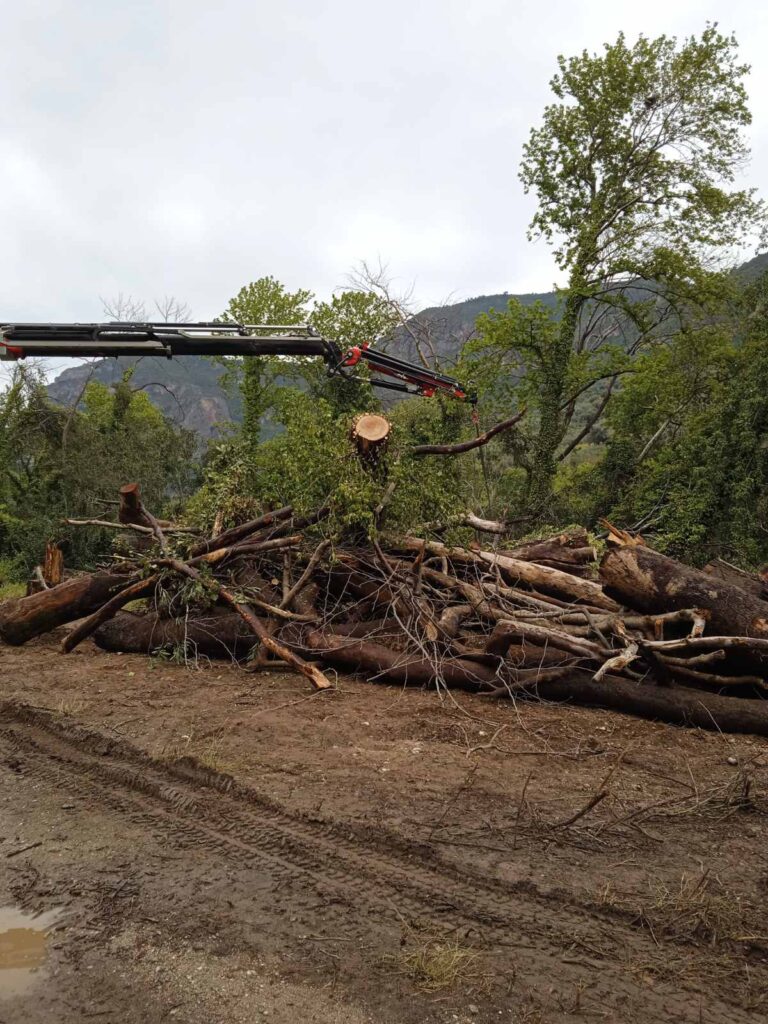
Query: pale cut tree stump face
x=371, y=427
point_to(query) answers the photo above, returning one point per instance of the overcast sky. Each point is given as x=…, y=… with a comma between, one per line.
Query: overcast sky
x=187, y=148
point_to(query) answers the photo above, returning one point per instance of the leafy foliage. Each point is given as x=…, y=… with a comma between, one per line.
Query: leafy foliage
x=58, y=463
x=687, y=457
x=645, y=378
x=265, y=301
x=311, y=463
x=633, y=167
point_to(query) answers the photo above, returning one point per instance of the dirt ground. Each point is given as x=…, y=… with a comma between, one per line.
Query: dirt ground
x=220, y=847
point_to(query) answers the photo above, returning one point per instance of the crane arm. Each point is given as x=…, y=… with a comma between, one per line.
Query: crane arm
x=17, y=341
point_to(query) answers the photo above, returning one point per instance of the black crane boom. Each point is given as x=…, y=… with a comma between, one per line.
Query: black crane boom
x=20, y=340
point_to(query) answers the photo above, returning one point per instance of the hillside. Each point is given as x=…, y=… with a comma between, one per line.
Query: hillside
x=188, y=389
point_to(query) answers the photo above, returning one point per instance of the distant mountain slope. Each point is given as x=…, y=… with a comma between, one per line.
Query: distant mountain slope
x=754, y=268
x=450, y=326
x=189, y=391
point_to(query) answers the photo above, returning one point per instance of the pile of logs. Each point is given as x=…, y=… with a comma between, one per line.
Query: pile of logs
x=638, y=633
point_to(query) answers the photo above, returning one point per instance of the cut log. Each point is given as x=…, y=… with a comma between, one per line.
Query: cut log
x=382, y=663
x=565, y=547
x=132, y=512
x=238, y=533
x=539, y=576
x=134, y=592
x=651, y=582
x=754, y=583
x=315, y=676
x=216, y=636
x=370, y=434
x=28, y=617
x=679, y=705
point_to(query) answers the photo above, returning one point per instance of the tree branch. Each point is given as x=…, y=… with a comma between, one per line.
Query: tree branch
x=467, y=446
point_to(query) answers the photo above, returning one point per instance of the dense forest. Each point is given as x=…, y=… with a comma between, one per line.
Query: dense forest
x=644, y=380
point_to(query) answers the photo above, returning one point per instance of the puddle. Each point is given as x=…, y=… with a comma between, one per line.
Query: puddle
x=23, y=940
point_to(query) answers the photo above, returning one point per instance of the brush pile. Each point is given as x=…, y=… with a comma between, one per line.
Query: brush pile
x=640, y=633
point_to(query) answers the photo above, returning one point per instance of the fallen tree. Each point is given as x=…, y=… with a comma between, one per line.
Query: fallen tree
x=648, y=635
x=27, y=617
x=644, y=579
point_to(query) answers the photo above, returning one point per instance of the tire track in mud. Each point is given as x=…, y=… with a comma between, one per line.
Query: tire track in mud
x=208, y=811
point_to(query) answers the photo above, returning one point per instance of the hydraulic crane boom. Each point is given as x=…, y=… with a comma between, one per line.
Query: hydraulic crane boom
x=17, y=341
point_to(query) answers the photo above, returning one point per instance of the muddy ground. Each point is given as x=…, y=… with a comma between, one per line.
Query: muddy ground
x=227, y=847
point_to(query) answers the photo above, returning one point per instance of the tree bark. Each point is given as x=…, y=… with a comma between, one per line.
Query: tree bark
x=389, y=665
x=28, y=617
x=133, y=513
x=676, y=704
x=311, y=672
x=237, y=533
x=217, y=636
x=754, y=584
x=134, y=592
x=651, y=582
x=466, y=446
x=514, y=569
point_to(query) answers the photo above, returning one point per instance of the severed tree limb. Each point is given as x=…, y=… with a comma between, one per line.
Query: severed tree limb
x=449, y=622
x=315, y=676
x=508, y=630
x=383, y=663
x=137, y=527
x=539, y=576
x=617, y=663
x=305, y=577
x=697, y=676
x=466, y=446
x=136, y=590
x=757, y=645
x=698, y=659
x=237, y=533
x=497, y=526
x=245, y=548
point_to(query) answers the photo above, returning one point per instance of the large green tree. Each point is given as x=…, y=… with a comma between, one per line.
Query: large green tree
x=265, y=301
x=633, y=168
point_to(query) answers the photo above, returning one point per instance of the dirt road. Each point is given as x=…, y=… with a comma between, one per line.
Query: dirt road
x=215, y=846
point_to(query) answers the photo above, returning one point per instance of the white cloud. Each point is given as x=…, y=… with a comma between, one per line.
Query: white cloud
x=182, y=147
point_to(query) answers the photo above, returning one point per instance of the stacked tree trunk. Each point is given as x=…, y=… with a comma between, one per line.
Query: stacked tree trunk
x=639, y=632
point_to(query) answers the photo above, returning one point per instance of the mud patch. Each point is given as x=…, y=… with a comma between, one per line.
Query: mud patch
x=23, y=948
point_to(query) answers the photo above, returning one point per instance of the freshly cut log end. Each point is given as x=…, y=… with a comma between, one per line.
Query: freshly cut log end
x=370, y=434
